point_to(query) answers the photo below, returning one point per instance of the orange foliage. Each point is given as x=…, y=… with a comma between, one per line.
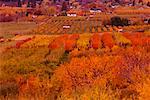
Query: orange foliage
x=96, y=41
x=133, y=63
x=70, y=42
x=82, y=73
x=136, y=39
x=108, y=40
x=146, y=41
x=66, y=41
x=18, y=44
x=27, y=85
x=121, y=70
x=58, y=42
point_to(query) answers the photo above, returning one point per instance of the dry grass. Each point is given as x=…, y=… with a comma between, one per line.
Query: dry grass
x=16, y=27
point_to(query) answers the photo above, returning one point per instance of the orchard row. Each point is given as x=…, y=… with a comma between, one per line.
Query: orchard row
x=86, y=41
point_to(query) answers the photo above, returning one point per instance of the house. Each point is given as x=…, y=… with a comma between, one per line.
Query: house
x=72, y=14
x=95, y=10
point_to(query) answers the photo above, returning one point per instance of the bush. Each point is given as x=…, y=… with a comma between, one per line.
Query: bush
x=58, y=42
x=125, y=22
x=83, y=41
x=56, y=56
x=117, y=72
x=107, y=40
x=136, y=39
x=117, y=21
x=70, y=42
x=96, y=41
x=121, y=40
x=9, y=89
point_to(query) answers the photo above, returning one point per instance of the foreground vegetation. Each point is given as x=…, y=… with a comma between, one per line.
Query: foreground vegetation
x=103, y=66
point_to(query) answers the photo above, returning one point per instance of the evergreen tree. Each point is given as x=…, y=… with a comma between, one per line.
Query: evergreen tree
x=116, y=21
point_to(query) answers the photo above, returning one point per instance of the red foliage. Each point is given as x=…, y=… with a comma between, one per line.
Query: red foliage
x=131, y=59
x=121, y=71
x=58, y=42
x=135, y=38
x=55, y=44
x=66, y=41
x=81, y=72
x=18, y=44
x=138, y=34
x=108, y=40
x=74, y=36
x=96, y=41
x=146, y=41
x=70, y=43
x=27, y=85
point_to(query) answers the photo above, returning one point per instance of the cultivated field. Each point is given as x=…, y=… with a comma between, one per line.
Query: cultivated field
x=93, y=57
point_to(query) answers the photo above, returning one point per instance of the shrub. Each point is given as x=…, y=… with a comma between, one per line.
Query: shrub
x=21, y=42
x=125, y=22
x=58, y=42
x=136, y=39
x=96, y=41
x=83, y=41
x=78, y=75
x=54, y=58
x=70, y=43
x=144, y=90
x=39, y=41
x=9, y=89
x=117, y=21
x=107, y=40
x=121, y=40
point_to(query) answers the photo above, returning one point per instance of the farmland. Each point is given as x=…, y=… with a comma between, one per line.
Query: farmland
x=50, y=53
x=54, y=26
x=114, y=61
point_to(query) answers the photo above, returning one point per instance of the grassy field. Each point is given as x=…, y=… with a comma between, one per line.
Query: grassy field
x=8, y=28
